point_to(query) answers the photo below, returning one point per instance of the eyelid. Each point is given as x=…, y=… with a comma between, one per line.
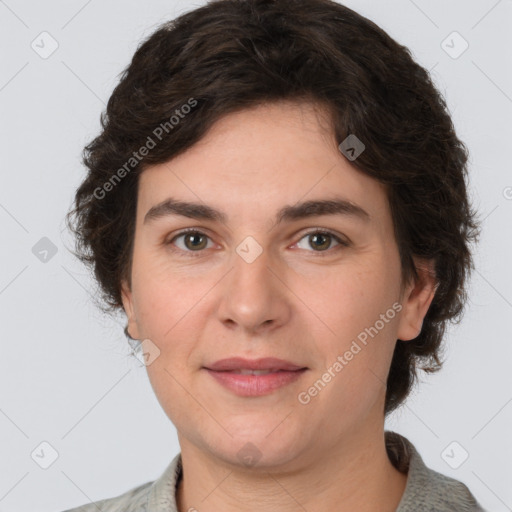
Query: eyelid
x=185, y=231
x=342, y=240
x=328, y=231
x=316, y=230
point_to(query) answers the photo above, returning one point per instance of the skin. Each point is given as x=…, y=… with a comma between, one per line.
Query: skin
x=295, y=301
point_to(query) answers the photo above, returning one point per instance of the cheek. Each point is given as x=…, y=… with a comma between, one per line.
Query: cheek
x=352, y=299
x=164, y=297
x=358, y=313
x=171, y=312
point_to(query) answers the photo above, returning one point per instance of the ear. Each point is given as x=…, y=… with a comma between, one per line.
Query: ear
x=126, y=295
x=416, y=300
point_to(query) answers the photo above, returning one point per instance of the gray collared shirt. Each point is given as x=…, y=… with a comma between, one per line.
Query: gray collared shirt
x=426, y=490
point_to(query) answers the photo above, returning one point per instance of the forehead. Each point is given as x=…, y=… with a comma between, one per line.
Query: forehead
x=259, y=160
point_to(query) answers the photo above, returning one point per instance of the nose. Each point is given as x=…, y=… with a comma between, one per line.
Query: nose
x=254, y=297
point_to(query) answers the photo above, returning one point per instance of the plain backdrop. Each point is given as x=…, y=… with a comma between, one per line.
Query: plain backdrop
x=71, y=395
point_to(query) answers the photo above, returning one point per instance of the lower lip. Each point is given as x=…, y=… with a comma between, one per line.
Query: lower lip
x=255, y=385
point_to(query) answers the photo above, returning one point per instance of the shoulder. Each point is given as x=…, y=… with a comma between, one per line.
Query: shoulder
x=134, y=500
x=155, y=496
x=427, y=490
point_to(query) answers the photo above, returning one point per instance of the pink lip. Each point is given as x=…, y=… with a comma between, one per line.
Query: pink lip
x=264, y=363
x=282, y=374
x=255, y=385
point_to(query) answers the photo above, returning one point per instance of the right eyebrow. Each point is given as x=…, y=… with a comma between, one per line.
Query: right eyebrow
x=186, y=209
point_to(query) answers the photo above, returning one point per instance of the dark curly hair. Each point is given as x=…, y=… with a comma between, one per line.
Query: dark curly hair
x=230, y=55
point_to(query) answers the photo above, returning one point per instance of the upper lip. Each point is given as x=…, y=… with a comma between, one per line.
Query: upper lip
x=265, y=363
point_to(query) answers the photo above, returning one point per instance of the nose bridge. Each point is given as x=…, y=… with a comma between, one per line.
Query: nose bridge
x=253, y=296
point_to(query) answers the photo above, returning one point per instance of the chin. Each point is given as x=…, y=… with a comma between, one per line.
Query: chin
x=257, y=448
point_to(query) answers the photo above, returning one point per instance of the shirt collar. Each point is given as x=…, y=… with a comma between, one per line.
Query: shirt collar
x=421, y=481
x=162, y=494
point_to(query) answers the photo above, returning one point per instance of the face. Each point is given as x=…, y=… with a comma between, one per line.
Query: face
x=307, y=287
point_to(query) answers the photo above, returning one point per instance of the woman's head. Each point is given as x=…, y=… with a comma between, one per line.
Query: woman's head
x=242, y=105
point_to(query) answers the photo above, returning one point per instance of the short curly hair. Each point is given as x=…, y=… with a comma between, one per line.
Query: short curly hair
x=231, y=55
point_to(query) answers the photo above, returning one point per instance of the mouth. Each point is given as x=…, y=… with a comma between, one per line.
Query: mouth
x=264, y=364
x=245, y=371
x=253, y=383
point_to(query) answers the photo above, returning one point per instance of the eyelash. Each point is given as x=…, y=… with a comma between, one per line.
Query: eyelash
x=195, y=254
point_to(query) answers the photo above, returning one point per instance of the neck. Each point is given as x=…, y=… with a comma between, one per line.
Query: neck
x=355, y=475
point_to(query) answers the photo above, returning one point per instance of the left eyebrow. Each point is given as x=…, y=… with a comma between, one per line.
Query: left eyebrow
x=315, y=208
x=337, y=206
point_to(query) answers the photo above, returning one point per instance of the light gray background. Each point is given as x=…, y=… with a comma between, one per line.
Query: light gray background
x=66, y=374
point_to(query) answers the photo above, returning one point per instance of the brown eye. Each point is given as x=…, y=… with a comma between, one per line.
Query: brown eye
x=192, y=241
x=321, y=241
x=195, y=241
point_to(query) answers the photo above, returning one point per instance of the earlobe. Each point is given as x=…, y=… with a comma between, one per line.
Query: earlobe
x=416, y=300
x=126, y=296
